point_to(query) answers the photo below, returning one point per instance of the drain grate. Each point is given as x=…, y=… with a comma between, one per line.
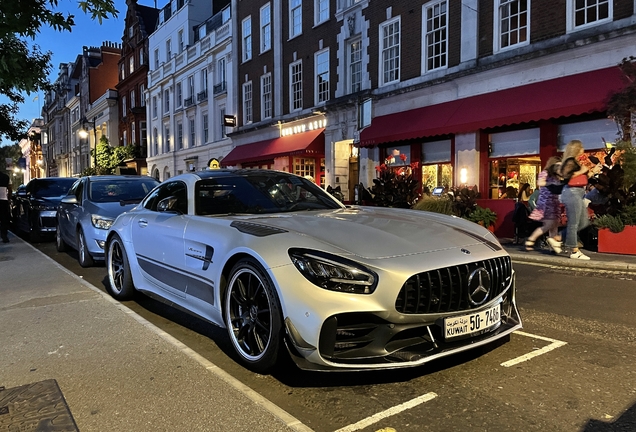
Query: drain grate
x=37, y=406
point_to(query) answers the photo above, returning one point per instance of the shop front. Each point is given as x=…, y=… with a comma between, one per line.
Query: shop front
x=300, y=152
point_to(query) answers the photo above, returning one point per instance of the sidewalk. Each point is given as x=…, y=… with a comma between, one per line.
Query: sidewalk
x=63, y=340
x=598, y=261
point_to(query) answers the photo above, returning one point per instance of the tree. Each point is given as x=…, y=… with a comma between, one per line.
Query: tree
x=9, y=152
x=109, y=158
x=23, y=67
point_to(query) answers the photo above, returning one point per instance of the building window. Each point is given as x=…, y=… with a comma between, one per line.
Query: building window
x=305, y=167
x=191, y=86
x=247, y=103
x=124, y=138
x=123, y=106
x=178, y=95
x=131, y=64
x=587, y=13
x=192, y=132
x=296, y=80
x=390, y=49
x=247, y=39
x=436, y=34
x=205, y=128
x=222, y=116
x=168, y=50
x=204, y=80
x=266, y=28
x=166, y=140
x=121, y=72
x=154, y=106
x=179, y=136
x=133, y=101
x=221, y=72
x=142, y=94
x=142, y=57
x=322, y=77
x=130, y=32
x=180, y=41
x=156, y=58
x=266, y=96
x=513, y=23
x=133, y=136
x=166, y=98
x=295, y=18
x=322, y=11
x=155, y=140
x=355, y=66
x=143, y=134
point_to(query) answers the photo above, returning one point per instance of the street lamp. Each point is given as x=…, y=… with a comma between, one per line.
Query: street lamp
x=84, y=133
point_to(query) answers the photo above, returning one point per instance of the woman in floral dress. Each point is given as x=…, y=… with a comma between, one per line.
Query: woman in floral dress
x=548, y=207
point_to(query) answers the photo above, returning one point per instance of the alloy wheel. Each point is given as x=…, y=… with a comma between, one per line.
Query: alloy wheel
x=250, y=314
x=116, y=268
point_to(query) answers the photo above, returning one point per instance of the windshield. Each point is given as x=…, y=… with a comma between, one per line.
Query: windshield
x=260, y=193
x=129, y=190
x=51, y=188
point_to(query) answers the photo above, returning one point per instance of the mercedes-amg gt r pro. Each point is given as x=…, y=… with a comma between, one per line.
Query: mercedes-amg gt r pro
x=280, y=263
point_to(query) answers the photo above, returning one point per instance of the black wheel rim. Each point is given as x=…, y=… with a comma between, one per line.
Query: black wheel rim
x=249, y=313
x=116, y=268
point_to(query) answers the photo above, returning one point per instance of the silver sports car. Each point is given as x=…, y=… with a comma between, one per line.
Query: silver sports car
x=280, y=263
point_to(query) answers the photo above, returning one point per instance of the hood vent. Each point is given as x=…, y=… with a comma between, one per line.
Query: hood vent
x=256, y=229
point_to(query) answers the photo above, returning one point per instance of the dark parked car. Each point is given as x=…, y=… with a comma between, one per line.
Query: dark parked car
x=90, y=208
x=36, y=205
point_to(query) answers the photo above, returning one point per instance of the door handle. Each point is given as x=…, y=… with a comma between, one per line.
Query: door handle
x=143, y=223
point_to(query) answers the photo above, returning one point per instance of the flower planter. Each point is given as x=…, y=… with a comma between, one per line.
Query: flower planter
x=618, y=243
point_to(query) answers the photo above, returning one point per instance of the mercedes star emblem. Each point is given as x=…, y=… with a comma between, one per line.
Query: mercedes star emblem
x=478, y=286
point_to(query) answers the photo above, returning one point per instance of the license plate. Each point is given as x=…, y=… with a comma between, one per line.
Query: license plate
x=48, y=213
x=478, y=322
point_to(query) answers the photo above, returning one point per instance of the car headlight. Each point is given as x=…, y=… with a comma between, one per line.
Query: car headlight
x=100, y=222
x=334, y=273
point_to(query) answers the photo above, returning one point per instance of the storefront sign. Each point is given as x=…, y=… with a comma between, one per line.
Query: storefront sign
x=304, y=127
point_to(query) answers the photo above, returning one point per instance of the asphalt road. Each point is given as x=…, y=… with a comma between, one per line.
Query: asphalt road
x=570, y=369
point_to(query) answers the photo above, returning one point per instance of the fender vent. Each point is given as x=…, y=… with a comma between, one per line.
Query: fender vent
x=256, y=229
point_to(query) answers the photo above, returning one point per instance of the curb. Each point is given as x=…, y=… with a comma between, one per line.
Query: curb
x=567, y=262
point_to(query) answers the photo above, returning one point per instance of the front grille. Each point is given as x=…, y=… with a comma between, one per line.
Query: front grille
x=446, y=289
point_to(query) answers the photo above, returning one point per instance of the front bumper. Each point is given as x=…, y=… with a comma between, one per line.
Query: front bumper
x=336, y=331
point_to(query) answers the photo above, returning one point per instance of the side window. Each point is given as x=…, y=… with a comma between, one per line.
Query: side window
x=175, y=189
x=78, y=190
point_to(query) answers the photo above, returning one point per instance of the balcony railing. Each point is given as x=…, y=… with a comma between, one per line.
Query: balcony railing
x=188, y=101
x=201, y=96
x=220, y=88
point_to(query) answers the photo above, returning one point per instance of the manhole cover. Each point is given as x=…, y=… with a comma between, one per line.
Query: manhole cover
x=39, y=406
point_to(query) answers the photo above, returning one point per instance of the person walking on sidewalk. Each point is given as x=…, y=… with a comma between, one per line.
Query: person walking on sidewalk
x=5, y=215
x=575, y=176
x=548, y=206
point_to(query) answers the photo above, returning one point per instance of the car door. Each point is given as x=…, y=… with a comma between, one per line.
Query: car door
x=157, y=237
x=68, y=213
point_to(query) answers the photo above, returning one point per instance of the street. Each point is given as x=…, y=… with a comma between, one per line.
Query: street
x=571, y=368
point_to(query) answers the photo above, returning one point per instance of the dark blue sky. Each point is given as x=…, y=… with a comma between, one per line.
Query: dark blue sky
x=66, y=46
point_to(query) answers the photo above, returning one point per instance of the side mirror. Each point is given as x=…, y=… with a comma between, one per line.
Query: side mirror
x=168, y=205
x=69, y=199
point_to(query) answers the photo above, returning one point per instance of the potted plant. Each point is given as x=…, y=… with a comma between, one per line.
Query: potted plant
x=483, y=216
x=616, y=233
x=395, y=186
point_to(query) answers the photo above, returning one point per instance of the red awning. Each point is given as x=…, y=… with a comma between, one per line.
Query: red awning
x=571, y=95
x=312, y=142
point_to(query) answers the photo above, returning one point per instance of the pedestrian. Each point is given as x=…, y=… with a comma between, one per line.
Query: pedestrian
x=547, y=208
x=575, y=177
x=5, y=215
x=524, y=192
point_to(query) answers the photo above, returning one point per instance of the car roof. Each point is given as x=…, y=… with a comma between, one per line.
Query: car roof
x=119, y=177
x=228, y=172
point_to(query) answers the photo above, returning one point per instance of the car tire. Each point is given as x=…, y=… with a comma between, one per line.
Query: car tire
x=83, y=256
x=120, y=284
x=60, y=244
x=253, y=317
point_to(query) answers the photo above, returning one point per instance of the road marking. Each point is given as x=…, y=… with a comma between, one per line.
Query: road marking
x=388, y=413
x=553, y=345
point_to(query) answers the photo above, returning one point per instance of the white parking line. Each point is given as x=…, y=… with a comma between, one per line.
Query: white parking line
x=555, y=344
x=388, y=413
